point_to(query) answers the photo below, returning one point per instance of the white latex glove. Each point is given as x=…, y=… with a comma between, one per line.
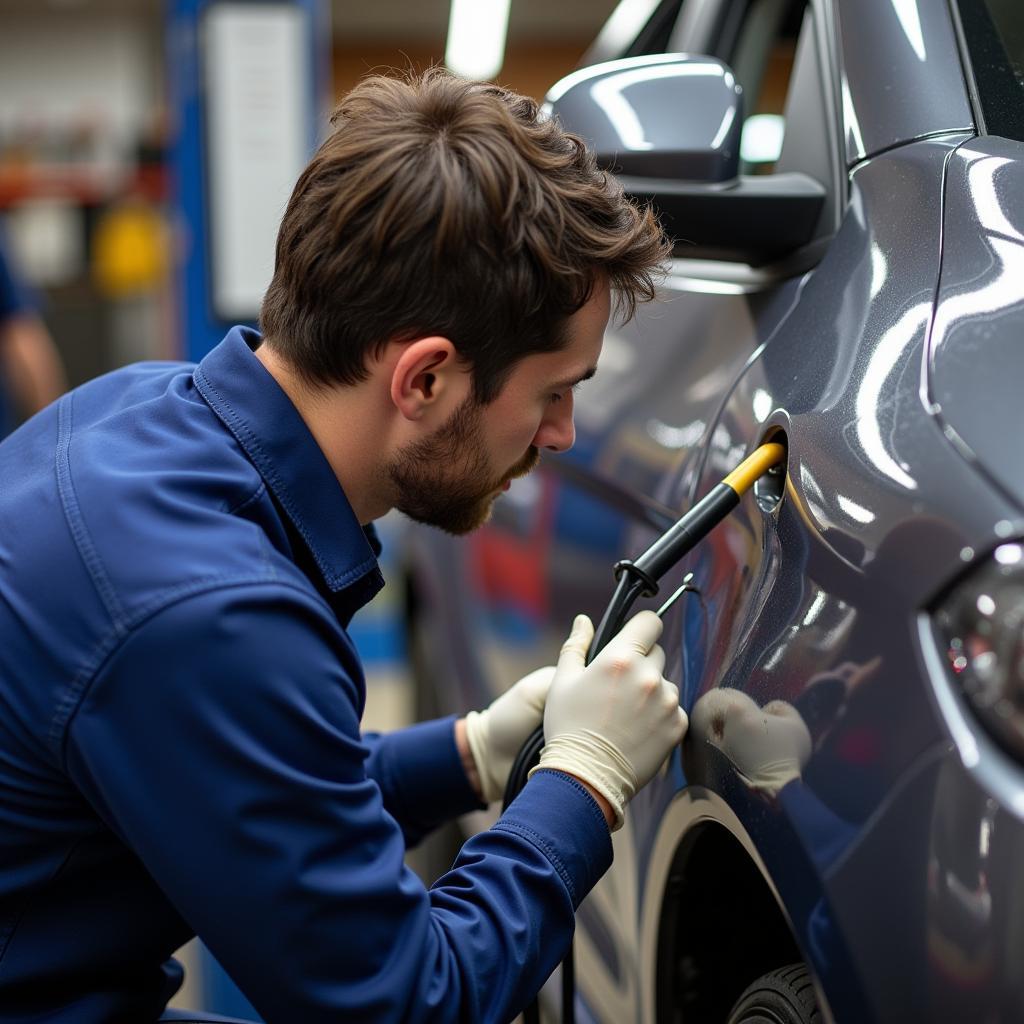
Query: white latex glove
x=612, y=723
x=496, y=734
x=769, y=746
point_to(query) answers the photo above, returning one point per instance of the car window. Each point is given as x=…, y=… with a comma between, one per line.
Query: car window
x=762, y=55
x=658, y=31
x=635, y=28
x=994, y=33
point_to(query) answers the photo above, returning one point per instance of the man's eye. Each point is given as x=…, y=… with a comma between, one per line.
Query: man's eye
x=559, y=395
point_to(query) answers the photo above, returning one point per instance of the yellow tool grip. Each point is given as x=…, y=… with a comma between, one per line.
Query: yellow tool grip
x=754, y=466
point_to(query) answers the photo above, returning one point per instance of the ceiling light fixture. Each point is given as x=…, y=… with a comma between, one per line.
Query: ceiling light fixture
x=476, y=37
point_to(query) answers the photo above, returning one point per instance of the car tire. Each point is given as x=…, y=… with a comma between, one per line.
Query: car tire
x=785, y=996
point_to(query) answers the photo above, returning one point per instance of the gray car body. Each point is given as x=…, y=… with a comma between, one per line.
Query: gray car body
x=893, y=364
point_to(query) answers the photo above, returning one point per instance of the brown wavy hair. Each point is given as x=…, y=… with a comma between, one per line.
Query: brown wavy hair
x=443, y=206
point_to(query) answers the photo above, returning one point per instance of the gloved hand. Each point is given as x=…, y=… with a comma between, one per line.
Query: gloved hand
x=496, y=734
x=612, y=723
x=769, y=746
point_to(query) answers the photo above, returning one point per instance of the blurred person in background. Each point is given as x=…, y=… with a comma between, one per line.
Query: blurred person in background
x=31, y=373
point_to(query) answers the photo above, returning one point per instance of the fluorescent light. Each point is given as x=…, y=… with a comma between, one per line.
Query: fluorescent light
x=476, y=37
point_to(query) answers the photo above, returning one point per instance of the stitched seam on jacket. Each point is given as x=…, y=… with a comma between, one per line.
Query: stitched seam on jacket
x=86, y=551
x=539, y=841
x=233, y=510
x=73, y=516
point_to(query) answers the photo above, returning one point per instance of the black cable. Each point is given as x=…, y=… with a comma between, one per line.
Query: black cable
x=531, y=1015
x=626, y=592
x=628, y=589
x=569, y=985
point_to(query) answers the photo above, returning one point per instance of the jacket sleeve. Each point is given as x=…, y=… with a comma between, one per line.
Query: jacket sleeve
x=221, y=744
x=420, y=775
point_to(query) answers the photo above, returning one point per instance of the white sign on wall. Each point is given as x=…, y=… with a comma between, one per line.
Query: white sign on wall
x=257, y=105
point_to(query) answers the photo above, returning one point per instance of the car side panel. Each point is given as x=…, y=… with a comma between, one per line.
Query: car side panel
x=817, y=603
x=981, y=307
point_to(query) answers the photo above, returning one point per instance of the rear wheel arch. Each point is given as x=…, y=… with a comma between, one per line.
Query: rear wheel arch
x=713, y=920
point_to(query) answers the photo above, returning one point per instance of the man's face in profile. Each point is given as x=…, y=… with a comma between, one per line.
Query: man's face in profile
x=448, y=479
x=452, y=478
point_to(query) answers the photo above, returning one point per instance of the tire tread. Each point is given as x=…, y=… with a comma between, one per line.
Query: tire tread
x=785, y=995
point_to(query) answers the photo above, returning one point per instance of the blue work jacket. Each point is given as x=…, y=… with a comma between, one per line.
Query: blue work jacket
x=180, y=750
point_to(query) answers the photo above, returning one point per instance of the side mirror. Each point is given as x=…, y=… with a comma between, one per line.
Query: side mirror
x=669, y=127
x=664, y=116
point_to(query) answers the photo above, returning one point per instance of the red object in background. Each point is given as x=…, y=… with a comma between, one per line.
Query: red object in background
x=510, y=569
x=85, y=186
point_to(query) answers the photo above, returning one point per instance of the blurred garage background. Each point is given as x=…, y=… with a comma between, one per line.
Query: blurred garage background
x=147, y=148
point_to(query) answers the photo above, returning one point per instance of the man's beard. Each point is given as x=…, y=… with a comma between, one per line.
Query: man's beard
x=446, y=480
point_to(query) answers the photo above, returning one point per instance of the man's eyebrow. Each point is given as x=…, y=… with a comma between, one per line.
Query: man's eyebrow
x=573, y=381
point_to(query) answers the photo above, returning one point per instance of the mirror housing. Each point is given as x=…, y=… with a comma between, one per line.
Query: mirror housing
x=669, y=126
x=662, y=116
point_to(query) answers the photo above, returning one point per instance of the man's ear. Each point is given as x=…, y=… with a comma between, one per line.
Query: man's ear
x=428, y=377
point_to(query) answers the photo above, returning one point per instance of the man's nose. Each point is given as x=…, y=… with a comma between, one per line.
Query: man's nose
x=557, y=431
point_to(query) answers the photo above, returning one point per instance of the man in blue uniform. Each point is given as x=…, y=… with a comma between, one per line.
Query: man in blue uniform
x=182, y=548
x=31, y=375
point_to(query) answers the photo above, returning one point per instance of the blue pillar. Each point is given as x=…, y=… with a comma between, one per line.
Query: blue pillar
x=202, y=323
x=197, y=164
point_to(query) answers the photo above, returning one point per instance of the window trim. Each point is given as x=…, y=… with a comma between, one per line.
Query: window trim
x=973, y=97
x=1000, y=86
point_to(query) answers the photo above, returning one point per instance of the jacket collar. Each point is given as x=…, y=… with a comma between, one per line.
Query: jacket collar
x=252, y=405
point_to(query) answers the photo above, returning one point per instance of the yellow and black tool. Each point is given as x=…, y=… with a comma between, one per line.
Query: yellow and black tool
x=693, y=527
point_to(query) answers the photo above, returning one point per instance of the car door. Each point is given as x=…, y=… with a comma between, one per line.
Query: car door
x=813, y=596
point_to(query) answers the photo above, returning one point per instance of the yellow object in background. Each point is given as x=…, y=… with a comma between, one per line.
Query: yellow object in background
x=130, y=249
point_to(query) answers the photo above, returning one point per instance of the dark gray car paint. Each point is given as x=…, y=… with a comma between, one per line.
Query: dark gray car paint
x=867, y=474
x=981, y=304
x=974, y=900
x=897, y=83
